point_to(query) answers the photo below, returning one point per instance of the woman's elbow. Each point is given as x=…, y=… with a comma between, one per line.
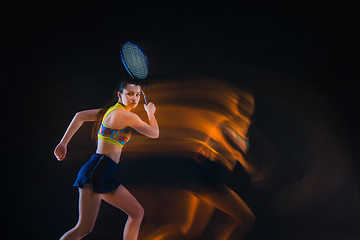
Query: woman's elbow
x=154, y=134
x=79, y=116
x=87, y=115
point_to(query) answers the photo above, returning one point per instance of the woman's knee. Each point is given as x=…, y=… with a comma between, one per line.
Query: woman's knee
x=138, y=213
x=84, y=229
x=141, y=212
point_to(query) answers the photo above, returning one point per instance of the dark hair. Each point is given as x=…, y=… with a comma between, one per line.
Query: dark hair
x=114, y=99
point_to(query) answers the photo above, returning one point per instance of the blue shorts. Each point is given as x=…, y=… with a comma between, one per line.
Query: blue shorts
x=99, y=172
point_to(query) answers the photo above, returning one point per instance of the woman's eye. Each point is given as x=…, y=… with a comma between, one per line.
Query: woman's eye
x=130, y=94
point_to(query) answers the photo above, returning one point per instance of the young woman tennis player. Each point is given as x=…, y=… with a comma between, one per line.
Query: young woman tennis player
x=96, y=180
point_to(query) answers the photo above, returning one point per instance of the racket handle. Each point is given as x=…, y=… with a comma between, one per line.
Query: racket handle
x=144, y=97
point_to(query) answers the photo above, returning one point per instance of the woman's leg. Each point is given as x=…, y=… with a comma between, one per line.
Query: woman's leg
x=89, y=204
x=125, y=201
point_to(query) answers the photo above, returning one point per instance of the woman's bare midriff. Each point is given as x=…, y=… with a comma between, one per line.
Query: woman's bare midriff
x=110, y=150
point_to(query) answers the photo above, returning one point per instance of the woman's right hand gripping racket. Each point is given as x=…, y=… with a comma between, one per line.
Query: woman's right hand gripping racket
x=135, y=62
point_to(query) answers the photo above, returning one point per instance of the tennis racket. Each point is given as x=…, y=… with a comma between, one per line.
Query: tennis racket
x=135, y=62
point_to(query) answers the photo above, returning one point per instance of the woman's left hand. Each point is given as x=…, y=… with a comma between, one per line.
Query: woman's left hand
x=60, y=151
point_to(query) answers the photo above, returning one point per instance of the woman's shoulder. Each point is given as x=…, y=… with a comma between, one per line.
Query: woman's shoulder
x=122, y=114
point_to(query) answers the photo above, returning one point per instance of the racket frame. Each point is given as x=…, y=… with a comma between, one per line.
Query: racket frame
x=124, y=62
x=127, y=68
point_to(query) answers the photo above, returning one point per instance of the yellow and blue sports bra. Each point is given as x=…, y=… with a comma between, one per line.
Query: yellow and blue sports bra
x=115, y=136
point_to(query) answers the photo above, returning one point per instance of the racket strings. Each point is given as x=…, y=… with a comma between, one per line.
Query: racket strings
x=135, y=61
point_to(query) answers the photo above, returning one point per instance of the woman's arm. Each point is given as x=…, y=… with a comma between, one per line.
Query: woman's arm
x=77, y=121
x=150, y=130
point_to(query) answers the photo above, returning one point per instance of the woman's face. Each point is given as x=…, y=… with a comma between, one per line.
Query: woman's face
x=130, y=96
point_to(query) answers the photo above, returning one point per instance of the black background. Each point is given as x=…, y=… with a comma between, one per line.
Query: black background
x=62, y=58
